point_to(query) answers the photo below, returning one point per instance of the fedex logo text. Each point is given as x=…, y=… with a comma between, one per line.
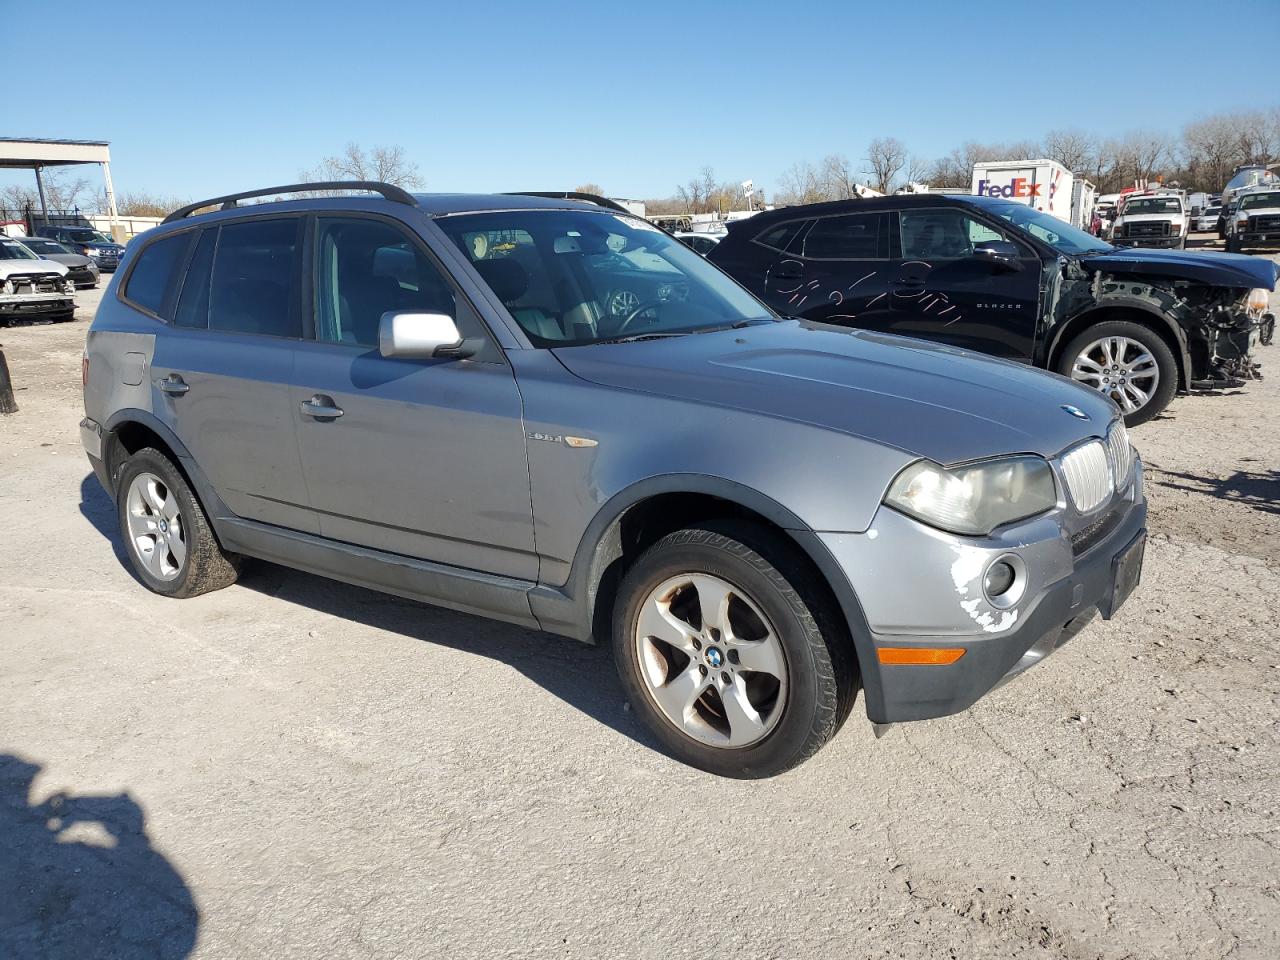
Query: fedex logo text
x=1018, y=187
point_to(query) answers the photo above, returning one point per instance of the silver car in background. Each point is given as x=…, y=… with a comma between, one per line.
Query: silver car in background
x=555, y=414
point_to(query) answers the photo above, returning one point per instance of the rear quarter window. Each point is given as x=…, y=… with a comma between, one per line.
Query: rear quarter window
x=154, y=276
x=781, y=236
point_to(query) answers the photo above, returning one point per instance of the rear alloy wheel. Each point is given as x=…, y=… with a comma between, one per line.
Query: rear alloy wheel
x=166, y=533
x=1126, y=361
x=723, y=657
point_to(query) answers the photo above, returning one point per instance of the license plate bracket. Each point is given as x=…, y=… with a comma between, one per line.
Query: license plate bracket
x=1126, y=574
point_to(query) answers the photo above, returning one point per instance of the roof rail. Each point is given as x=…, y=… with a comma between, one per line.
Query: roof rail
x=229, y=202
x=571, y=195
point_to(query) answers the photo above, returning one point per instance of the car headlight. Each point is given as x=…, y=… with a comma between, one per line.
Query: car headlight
x=976, y=498
x=6, y=287
x=1257, y=301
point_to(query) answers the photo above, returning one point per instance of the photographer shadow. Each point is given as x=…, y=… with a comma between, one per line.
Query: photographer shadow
x=80, y=879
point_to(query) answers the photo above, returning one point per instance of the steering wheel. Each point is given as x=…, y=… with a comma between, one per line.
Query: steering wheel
x=647, y=305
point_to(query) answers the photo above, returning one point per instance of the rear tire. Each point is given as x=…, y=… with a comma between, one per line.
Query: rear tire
x=166, y=532
x=1095, y=372
x=755, y=692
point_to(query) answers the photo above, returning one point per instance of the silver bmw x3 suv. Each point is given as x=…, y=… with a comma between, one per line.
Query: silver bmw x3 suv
x=549, y=412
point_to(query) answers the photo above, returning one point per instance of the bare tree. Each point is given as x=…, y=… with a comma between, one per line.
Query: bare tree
x=592, y=188
x=917, y=169
x=385, y=164
x=1074, y=149
x=801, y=183
x=886, y=157
x=61, y=192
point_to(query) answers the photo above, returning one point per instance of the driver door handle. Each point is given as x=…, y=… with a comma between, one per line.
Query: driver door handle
x=320, y=407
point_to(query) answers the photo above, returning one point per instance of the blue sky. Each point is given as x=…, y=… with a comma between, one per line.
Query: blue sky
x=213, y=97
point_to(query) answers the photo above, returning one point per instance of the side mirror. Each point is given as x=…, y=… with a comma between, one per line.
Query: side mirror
x=1003, y=253
x=422, y=335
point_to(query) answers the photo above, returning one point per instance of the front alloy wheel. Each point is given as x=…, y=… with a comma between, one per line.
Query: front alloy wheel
x=710, y=660
x=731, y=651
x=1121, y=368
x=1128, y=362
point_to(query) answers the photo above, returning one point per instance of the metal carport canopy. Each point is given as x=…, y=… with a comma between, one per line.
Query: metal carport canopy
x=16, y=153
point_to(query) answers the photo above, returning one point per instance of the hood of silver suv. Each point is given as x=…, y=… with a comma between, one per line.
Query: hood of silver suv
x=931, y=400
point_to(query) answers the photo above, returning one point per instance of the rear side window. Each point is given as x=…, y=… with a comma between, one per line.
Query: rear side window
x=853, y=237
x=254, y=278
x=155, y=273
x=780, y=237
x=193, y=305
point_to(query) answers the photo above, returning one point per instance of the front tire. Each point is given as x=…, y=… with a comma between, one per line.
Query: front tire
x=1127, y=362
x=728, y=652
x=166, y=532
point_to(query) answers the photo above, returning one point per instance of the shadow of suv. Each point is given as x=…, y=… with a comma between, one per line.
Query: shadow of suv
x=552, y=413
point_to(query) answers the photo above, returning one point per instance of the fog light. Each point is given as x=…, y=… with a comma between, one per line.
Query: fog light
x=999, y=579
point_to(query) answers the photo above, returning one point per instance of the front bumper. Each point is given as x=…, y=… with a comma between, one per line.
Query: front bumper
x=35, y=305
x=921, y=588
x=1269, y=239
x=1167, y=243
x=106, y=264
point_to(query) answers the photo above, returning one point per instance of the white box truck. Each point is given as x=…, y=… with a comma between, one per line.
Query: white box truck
x=1043, y=184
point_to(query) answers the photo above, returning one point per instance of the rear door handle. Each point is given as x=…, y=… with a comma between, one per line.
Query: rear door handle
x=320, y=407
x=173, y=385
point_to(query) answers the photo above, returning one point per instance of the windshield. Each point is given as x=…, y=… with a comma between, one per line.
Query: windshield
x=1212, y=211
x=44, y=246
x=13, y=250
x=1255, y=200
x=88, y=236
x=1058, y=234
x=1152, y=205
x=572, y=277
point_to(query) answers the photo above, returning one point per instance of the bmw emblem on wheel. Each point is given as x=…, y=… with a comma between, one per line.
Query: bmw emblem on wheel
x=714, y=657
x=1075, y=412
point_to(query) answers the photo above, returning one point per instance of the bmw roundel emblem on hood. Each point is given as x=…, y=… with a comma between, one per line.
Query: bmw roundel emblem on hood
x=1075, y=412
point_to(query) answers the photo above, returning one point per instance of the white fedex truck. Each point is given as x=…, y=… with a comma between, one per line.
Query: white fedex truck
x=1043, y=184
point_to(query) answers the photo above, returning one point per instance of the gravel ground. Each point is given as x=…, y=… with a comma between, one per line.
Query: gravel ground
x=296, y=768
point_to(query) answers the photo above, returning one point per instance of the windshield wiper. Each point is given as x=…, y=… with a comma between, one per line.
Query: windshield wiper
x=642, y=336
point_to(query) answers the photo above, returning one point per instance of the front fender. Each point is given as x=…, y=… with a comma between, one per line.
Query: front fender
x=570, y=610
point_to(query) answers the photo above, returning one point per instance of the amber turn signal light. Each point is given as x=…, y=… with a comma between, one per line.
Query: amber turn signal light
x=920, y=655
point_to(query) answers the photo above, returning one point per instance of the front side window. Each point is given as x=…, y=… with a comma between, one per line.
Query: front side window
x=251, y=288
x=367, y=268
x=155, y=273
x=853, y=237
x=944, y=233
x=572, y=277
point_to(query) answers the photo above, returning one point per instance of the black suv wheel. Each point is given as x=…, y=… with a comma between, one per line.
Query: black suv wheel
x=1128, y=362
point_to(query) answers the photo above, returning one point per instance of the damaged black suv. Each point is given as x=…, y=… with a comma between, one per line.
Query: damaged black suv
x=1002, y=278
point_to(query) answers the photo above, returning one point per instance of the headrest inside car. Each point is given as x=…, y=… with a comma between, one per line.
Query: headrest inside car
x=505, y=277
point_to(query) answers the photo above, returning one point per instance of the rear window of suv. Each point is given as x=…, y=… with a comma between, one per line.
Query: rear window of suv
x=155, y=273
